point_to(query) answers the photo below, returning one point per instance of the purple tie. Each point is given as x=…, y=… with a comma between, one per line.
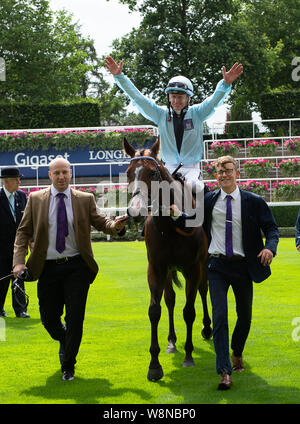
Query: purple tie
x=62, y=224
x=228, y=229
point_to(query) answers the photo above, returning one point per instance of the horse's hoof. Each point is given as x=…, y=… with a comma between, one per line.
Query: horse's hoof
x=171, y=348
x=206, y=333
x=155, y=374
x=188, y=363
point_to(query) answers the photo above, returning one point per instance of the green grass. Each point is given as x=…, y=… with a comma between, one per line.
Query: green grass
x=114, y=356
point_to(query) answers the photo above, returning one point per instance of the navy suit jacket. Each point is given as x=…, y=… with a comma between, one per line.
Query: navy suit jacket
x=256, y=216
x=8, y=226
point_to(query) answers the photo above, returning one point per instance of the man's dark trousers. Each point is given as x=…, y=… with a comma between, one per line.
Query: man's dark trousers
x=221, y=274
x=64, y=284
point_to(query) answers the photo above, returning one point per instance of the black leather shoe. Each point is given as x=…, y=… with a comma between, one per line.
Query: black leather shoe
x=3, y=313
x=22, y=315
x=68, y=375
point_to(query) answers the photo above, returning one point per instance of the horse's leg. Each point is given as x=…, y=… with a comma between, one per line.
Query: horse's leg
x=170, y=296
x=155, y=371
x=189, y=315
x=206, y=331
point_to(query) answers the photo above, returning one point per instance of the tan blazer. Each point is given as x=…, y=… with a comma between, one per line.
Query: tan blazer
x=34, y=225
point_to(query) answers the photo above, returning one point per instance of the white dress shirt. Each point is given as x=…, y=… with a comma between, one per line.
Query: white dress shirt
x=71, y=246
x=218, y=224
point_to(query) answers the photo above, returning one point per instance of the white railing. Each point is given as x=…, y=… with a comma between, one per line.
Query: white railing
x=275, y=159
x=254, y=122
x=245, y=141
x=105, y=184
x=269, y=181
x=73, y=167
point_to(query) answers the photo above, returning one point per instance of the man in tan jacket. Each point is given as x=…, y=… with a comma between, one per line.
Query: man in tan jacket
x=59, y=220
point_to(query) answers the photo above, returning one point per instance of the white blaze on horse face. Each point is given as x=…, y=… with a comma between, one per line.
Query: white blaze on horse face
x=136, y=180
x=138, y=205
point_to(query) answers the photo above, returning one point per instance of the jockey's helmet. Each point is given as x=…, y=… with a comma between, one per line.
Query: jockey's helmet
x=180, y=84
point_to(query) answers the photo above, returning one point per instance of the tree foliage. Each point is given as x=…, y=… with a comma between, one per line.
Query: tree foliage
x=196, y=38
x=46, y=56
x=278, y=21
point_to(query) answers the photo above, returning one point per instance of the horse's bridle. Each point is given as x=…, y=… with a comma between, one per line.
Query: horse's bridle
x=157, y=165
x=159, y=177
x=151, y=158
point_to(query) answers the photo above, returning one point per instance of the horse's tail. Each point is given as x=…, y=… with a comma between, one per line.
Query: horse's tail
x=176, y=280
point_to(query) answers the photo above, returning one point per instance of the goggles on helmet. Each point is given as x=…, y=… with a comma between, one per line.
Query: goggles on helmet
x=178, y=85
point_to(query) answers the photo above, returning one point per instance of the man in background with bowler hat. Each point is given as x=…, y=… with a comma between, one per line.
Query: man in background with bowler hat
x=12, y=205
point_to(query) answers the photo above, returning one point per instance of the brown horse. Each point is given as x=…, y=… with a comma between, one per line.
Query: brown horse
x=168, y=250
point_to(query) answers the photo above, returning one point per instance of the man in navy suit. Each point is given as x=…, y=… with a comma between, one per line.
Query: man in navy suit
x=297, y=232
x=233, y=221
x=12, y=205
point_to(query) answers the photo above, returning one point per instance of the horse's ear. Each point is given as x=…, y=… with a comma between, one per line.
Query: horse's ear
x=129, y=149
x=155, y=147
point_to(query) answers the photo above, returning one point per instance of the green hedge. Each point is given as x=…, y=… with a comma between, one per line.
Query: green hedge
x=84, y=113
x=285, y=216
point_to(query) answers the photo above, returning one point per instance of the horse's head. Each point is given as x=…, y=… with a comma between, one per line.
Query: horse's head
x=144, y=168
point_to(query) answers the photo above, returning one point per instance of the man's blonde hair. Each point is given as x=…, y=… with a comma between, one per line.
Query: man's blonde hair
x=222, y=160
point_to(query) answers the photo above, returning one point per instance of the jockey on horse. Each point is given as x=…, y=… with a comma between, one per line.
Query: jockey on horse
x=180, y=125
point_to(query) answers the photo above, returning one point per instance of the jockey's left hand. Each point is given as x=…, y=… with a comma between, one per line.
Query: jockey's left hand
x=230, y=76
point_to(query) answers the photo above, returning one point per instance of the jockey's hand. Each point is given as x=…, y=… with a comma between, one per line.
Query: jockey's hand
x=175, y=211
x=298, y=247
x=230, y=76
x=112, y=66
